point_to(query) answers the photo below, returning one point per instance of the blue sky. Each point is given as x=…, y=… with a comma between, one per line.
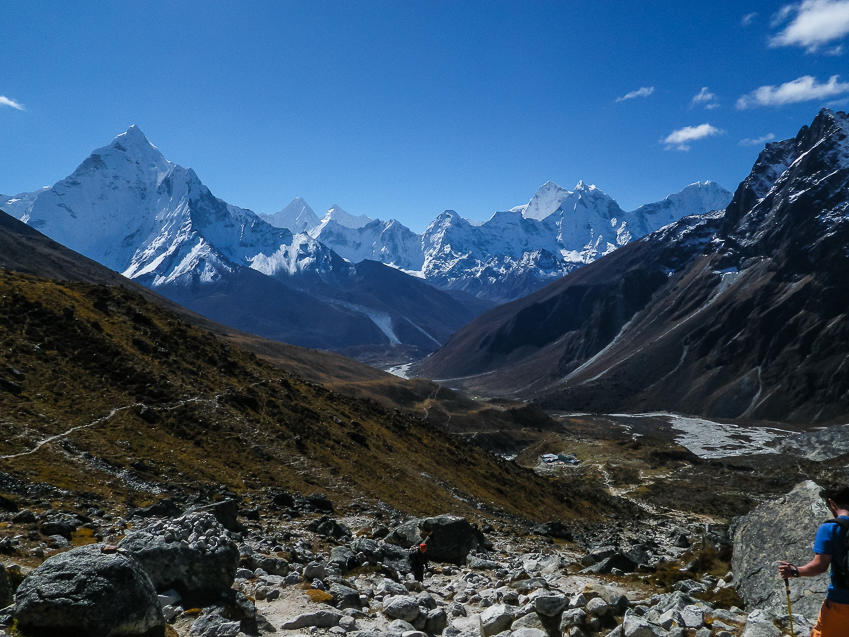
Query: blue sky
x=403, y=109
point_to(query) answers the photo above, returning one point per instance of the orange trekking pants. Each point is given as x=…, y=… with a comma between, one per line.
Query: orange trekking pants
x=833, y=620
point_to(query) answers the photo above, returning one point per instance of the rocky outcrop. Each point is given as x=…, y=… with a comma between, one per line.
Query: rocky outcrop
x=818, y=445
x=193, y=555
x=93, y=592
x=450, y=538
x=781, y=529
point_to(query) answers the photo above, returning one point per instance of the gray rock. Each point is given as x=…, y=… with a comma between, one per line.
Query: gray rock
x=526, y=586
x=271, y=565
x=550, y=605
x=529, y=632
x=225, y=512
x=321, y=619
x=326, y=525
x=426, y=600
x=496, y=619
x=397, y=558
x=214, y=625
x=480, y=564
x=436, y=622
x=781, y=529
x=598, y=607
x=818, y=445
x=390, y=587
x=199, y=573
x=690, y=586
x=618, y=561
x=676, y=600
x=315, y=569
x=572, y=617
x=401, y=607
x=399, y=627
x=86, y=590
x=343, y=557
x=456, y=609
x=760, y=623
x=369, y=548
x=404, y=535
x=451, y=538
x=692, y=617
x=344, y=596
x=635, y=626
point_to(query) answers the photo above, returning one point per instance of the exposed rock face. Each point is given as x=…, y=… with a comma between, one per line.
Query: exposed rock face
x=782, y=529
x=87, y=590
x=818, y=445
x=193, y=555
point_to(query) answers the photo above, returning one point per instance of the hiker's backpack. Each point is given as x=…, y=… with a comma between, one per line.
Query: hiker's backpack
x=840, y=570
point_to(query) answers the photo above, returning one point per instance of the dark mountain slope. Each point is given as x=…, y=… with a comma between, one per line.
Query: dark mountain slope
x=741, y=314
x=105, y=395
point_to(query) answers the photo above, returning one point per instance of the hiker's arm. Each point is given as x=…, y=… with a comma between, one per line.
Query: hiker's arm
x=815, y=567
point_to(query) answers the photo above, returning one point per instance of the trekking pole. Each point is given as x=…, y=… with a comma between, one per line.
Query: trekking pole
x=789, y=607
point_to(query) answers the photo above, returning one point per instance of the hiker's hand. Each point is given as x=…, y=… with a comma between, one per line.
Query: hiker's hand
x=787, y=570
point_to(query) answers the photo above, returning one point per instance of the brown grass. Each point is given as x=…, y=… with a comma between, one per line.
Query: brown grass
x=194, y=412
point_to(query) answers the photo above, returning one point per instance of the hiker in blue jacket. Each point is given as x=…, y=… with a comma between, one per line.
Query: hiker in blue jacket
x=829, y=550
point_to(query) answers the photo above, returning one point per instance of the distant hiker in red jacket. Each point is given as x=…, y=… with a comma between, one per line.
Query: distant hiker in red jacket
x=418, y=560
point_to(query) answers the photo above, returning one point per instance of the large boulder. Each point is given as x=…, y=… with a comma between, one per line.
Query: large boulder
x=405, y=535
x=88, y=592
x=781, y=529
x=450, y=538
x=225, y=511
x=193, y=555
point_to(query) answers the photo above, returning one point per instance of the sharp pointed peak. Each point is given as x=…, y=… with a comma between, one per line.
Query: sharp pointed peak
x=132, y=138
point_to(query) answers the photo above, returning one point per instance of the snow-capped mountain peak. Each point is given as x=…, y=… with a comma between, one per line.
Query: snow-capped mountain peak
x=297, y=217
x=545, y=201
x=344, y=219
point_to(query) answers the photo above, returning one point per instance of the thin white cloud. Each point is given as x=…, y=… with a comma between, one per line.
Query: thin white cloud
x=757, y=142
x=5, y=101
x=705, y=97
x=748, y=19
x=803, y=89
x=645, y=91
x=814, y=24
x=677, y=140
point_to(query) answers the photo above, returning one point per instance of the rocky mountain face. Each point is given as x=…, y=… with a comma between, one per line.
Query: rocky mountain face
x=129, y=208
x=736, y=313
x=513, y=253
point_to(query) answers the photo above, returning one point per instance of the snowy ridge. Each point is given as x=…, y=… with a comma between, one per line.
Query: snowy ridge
x=132, y=210
x=516, y=251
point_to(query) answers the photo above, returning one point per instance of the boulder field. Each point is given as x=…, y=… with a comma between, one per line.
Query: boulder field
x=314, y=571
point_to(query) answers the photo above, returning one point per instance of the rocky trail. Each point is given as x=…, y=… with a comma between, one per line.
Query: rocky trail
x=292, y=565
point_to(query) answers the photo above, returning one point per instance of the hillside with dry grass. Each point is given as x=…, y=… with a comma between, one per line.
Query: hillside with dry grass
x=105, y=396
